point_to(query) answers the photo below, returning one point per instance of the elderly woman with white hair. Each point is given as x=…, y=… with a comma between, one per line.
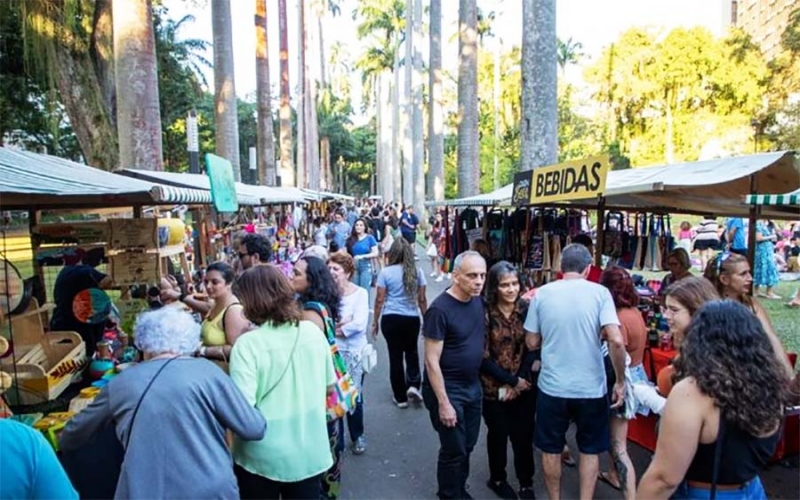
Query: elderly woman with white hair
x=170, y=413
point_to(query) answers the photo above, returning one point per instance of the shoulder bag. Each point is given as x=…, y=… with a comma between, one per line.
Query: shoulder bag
x=342, y=399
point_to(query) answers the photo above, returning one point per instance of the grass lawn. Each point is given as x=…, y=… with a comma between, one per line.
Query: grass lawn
x=785, y=320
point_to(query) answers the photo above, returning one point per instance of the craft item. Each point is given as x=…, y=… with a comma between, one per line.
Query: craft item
x=91, y=306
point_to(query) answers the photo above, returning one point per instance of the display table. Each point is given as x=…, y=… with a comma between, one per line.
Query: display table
x=642, y=430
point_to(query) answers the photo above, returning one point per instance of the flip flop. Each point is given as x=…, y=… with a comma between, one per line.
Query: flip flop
x=603, y=476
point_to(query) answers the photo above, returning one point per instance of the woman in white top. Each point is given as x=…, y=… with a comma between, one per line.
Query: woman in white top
x=351, y=337
x=706, y=240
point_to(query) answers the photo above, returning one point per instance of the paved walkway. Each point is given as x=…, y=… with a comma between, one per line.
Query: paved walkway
x=400, y=462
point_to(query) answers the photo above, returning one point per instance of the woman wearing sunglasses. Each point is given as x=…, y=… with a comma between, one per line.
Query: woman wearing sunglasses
x=730, y=274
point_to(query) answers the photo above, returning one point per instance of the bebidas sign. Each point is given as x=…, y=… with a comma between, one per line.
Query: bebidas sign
x=572, y=180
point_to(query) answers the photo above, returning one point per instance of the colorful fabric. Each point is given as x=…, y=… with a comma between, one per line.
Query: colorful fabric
x=343, y=399
x=765, y=272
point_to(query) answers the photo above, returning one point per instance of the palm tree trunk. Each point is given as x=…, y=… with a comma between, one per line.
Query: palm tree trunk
x=138, y=112
x=435, y=114
x=417, y=130
x=226, y=131
x=408, y=111
x=385, y=174
x=302, y=138
x=103, y=51
x=287, y=155
x=265, y=134
x=468, y=141
x=539, y=127
x=397, y=131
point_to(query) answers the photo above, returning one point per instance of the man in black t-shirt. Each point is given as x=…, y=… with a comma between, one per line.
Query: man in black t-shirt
x=454, y=341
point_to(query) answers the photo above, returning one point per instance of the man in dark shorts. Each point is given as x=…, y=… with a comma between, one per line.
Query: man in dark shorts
x=454, y=343
x=567, y=319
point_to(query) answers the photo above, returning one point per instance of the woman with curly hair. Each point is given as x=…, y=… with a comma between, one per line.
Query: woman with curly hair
x=284, y=369
x=621, y=475
x=722, y=420
x=399, y=301
x=509, y=388
x=730, y=274
x=319, y=299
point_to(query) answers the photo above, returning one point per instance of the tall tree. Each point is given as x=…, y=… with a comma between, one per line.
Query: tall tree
x=266, y=138
x=60, y=50
x=302, y=129
x=226, y=120
x=287, y=154
x=138, y=112
x=539, y=141
x=468, y=141
x=418, y=136
x=407, y=108
x=435, y=113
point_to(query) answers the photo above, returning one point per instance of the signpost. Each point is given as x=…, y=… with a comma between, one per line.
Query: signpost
x=568, y=181
x=223, y=184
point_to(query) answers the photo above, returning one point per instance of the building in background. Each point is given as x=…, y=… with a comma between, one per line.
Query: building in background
x=764, y=21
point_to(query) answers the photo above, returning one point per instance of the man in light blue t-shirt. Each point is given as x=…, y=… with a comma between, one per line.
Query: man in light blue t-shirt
x=568, y=319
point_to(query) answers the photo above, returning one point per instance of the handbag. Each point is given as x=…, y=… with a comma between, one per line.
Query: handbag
x=342, y=400
x=432, y=252
x=369, y=358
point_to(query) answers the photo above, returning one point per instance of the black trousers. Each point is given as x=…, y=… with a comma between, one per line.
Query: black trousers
x=253, y=486
x=455, y=443
x=514, y=420
x=401, y=333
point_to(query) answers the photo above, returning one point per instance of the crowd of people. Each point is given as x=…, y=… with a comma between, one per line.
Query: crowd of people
x=260, y=398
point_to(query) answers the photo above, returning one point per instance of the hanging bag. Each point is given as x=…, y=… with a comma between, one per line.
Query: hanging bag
x=612, y=244
x=666, y=240
x=342, y=400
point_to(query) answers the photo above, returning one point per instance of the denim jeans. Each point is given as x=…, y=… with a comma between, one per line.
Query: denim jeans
x=363, y=274
x=751, y=490
x=455, y=443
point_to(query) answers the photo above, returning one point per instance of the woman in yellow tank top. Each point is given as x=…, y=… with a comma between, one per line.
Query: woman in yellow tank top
x=225, y=321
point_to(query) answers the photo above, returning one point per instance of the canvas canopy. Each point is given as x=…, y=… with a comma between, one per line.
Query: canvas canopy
x=501, y=196
x=247, y=194
x=36, y=181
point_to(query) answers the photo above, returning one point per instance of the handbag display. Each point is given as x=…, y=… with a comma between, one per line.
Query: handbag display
x=342, y=400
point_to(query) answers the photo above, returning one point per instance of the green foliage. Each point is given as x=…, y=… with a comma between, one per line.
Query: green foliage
x=781, y=120
x=30, y=114
x=666, y=97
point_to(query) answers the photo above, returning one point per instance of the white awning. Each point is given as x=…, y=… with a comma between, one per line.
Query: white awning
x=501, y=196
x=789, y=199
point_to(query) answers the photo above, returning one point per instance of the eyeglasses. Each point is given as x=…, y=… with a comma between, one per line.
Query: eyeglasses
x=722, y=257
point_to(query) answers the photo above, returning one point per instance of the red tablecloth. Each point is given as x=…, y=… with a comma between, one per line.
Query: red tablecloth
x=642, y=430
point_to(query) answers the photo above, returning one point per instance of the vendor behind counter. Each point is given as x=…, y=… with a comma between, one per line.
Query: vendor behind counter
x=78, y=274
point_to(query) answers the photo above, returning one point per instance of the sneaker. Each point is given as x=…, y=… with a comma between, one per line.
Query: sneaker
x=502, y=489
x=433, y=274
x=360, y=445
x=414, y=395
x=526, y=494
x=449, y=276
x=400, y=404
x=439, y=279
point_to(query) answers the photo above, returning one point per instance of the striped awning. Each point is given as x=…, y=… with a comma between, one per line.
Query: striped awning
x=501, y=196
x=788, y=199
x=30, y=180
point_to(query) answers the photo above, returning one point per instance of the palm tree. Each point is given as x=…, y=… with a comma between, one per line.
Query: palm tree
x=407, y=108
x=539, y=126
x=265, y=135
x=418, y=137
x=383, y=21
x=302, y=137
x=138, y=113
x=435, y=114
x=468, y=140
x=569, y=52
x=226, y=130
x=287, y=155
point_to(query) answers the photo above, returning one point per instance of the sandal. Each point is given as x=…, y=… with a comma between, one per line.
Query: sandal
x=604, y=477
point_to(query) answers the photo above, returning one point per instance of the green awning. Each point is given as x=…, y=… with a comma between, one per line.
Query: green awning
x=788, y=199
